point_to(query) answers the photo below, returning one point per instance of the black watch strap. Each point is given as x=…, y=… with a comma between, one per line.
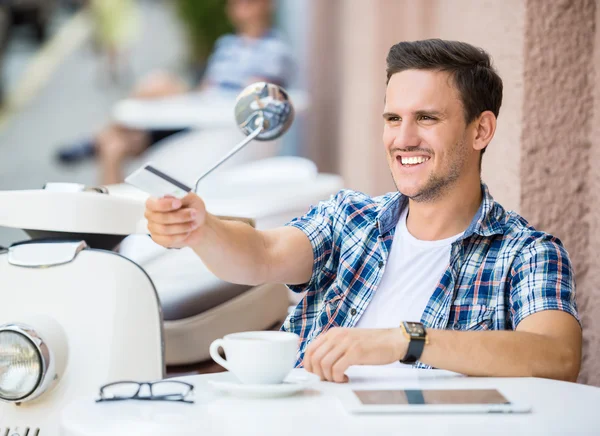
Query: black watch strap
x=415, y=349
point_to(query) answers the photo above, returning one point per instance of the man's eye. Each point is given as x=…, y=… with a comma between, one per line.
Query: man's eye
x=393, y=119
x=427, y=118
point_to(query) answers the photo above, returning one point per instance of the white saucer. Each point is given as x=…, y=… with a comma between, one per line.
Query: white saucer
x=293, y=383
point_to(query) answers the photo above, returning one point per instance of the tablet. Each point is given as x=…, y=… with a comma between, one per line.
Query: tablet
x=430, y=401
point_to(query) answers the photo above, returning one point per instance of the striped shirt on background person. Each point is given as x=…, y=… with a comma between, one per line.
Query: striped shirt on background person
x=500, y=271
x=236, y=60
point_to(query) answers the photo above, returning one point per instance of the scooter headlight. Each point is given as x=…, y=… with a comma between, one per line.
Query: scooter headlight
x=23, y=363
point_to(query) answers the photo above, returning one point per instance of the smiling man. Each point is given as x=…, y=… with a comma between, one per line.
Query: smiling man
x=437, y=274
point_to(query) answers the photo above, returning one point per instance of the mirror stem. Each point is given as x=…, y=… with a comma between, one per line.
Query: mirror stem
x=237, y=148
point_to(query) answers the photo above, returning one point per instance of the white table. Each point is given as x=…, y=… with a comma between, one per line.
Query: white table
x=199, y=110
x=192, y=110
x=559, y=408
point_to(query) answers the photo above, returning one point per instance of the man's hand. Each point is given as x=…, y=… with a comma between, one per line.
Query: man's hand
x=175, y=223
x=233, y=251
x=331, y=353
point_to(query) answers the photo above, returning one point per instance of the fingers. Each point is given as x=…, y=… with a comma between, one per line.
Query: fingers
x=328, y=356
x=334, y=351
x=316, y=358
x=171, y=221
x=177, y=241
x=327, y=359
x=174, y=217
x=311, y=349
x=171, y=229
x=169, y=210
x=338, y=369
x=165, y=204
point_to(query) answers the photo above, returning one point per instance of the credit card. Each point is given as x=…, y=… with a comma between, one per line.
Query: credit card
x=156, y=183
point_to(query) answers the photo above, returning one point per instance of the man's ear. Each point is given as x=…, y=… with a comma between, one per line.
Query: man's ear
x=485, y=127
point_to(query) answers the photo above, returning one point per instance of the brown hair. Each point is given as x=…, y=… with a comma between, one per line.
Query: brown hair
x=470, y=68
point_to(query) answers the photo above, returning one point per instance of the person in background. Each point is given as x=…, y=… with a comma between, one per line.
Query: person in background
x=115, y=27
x=435, y=274
x=254, y=53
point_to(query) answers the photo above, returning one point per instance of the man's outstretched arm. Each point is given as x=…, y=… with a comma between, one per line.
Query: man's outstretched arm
x=233, y=251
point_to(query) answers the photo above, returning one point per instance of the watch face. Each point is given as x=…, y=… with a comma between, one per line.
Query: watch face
x=415, y=329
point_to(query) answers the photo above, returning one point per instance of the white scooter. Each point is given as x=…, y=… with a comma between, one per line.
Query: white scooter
x=75, y=314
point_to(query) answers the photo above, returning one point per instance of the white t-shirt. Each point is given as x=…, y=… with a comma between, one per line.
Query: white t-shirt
x=413, y=270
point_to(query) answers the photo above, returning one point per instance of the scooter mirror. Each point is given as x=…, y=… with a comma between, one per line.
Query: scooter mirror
x=263, y=111
x=266, y=104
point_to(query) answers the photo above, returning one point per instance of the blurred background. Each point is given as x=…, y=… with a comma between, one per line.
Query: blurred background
x=60, y=83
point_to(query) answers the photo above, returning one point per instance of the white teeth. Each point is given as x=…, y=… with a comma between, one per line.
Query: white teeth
x=414, y=160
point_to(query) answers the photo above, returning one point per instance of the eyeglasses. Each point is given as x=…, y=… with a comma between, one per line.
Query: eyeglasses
x=162, y=390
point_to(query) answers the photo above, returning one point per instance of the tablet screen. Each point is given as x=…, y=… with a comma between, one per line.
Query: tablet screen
x=431, y=396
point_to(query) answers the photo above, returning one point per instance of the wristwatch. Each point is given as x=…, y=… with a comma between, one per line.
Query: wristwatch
x=417, y=339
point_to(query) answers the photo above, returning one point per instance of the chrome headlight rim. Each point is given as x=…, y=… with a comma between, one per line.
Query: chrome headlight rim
x=44, y=355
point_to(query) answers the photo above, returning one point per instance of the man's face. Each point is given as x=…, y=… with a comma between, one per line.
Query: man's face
x=243, y=13
x=427, y=140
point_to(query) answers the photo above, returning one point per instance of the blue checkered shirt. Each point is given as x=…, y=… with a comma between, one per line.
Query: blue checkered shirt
x=500, y=271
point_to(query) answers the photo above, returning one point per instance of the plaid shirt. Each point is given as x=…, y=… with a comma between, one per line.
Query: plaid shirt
x=500, y=271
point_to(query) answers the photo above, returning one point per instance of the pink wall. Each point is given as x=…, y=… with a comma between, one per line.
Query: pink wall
x=556, y=166
x=591, y=283
x=497, y=27
x=351, y=39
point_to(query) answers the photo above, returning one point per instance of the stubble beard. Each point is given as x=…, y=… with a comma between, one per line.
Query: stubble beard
x=438, y=184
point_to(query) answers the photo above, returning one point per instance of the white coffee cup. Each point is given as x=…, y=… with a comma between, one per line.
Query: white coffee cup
x=264, y=357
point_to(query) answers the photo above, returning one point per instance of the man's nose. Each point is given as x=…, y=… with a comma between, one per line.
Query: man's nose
x=407, y=136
